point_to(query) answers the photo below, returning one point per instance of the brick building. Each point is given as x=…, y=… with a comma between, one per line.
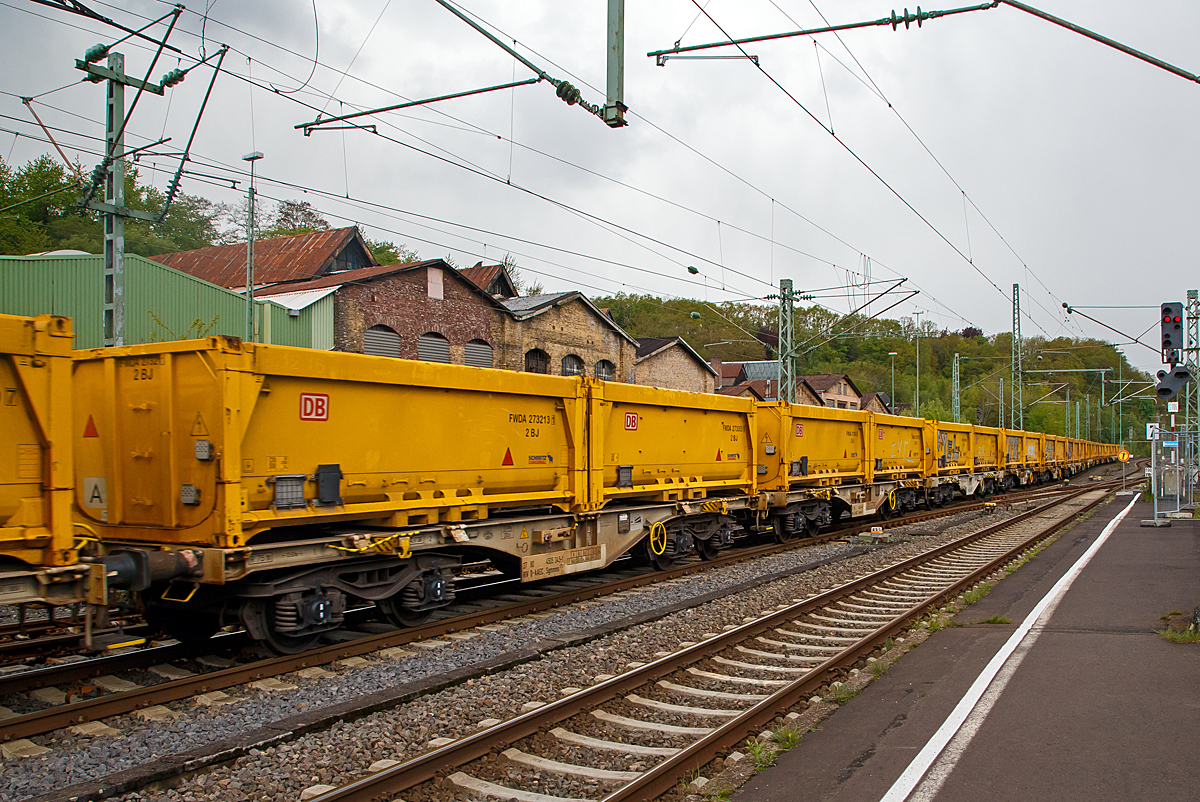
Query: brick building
x=495, y=280
x=420, y=310
x=565, y=334
x=427, y=310
x=671, y=363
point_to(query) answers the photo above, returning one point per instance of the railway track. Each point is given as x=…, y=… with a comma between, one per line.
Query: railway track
x=635, y=735
x=104, y=695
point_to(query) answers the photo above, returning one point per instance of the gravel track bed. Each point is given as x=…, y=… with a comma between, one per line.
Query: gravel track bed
x=345, y=750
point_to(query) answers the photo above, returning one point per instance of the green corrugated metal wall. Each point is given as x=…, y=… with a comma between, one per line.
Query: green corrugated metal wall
x=161, y=303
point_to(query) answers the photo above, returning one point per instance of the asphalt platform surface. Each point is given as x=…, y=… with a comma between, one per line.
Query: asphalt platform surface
x=1100, y=707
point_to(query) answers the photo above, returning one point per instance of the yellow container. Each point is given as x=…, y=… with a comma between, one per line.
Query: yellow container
x=666, y=445
x=1035, y=450
x=955, y=451
x=214, y=442
x=801, y=445
x=989, y=448
x=36, y=436
x=902, y=447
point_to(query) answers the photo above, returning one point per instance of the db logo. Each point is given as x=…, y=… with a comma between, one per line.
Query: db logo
x=631, y=421
x=799, y=429
x=314, y=406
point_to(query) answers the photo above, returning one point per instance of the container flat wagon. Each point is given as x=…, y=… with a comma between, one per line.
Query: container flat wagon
x=225, y=482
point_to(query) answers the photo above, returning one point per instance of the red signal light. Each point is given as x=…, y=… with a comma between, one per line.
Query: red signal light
x=1166, y=318
x=1176, y=319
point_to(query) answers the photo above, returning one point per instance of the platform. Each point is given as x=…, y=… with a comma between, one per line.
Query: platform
x=1099, y=707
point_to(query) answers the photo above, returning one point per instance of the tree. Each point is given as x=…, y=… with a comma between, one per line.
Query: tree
x=293, y=217
x=531, y=288
x=389, y=253
x=58, y=221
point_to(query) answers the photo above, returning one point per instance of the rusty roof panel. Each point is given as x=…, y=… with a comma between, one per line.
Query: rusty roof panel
x=298, y=257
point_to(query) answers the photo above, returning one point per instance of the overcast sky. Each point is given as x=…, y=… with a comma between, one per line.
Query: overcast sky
x=1078, y=163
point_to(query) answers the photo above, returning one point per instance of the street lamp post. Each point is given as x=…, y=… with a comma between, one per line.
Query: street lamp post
x=251, y=157
x=892, y=354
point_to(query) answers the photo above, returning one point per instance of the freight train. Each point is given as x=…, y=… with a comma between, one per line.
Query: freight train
x=221, y=482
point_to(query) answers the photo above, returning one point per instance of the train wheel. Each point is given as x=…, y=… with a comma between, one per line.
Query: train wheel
x=783, y=528
x=929, y=494
x=707, y=549
x=280, y=642
x=395, y=613
x=811, y=527
x=657, y=547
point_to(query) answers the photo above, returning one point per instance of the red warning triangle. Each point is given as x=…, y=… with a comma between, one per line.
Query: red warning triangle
x=718, y=455
x=507, y=457
x=90, y=429
x=843, y=453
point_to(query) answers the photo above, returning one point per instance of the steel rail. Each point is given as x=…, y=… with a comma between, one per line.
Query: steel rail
x=663, y=777
x=84, y=670
x=65, y=715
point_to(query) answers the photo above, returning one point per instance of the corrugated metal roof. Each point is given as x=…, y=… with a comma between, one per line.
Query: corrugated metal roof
x=493, y=279
x=299, y=299
x=298, y=257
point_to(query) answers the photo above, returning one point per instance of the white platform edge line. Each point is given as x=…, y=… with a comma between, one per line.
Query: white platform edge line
x=911, y=777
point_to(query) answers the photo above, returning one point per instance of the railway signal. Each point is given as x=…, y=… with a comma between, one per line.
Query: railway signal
x=1172, y=381
x=1171, y=321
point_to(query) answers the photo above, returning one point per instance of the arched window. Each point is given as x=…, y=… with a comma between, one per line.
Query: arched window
x=478, y=354
x=606, y=370
x=572, y=365
x=381, y=341
x=537, y=361
x=433, y=347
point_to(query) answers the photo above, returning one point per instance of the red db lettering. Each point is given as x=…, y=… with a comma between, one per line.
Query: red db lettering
x=314, y=406
x=631, y=421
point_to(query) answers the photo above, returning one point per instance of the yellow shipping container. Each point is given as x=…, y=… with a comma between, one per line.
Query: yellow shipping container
x=989, y=448
x=955, y=451
x=35, y=440
x=215, y=442
x=801, y=445
x=902, y=447
x=665, y=445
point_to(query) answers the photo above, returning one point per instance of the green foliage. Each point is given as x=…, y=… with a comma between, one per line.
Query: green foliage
x=762, y=755
x=879, y=668
x=58, y=222
x=841, y=692
x=786, y=737
x=830, y=343
x=996, y=619
x=1173, y=636
x=975, y=594
x=389, y=253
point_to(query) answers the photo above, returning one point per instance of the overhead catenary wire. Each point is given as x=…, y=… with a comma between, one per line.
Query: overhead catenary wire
x=934, y=299
x=858, y=158
x=345, y=74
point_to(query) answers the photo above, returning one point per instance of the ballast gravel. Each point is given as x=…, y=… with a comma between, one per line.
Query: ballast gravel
x=345, y=750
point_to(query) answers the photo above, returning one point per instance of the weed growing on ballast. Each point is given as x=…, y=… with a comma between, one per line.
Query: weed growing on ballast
x=786, y=737
x=976, y=593
x=841, y=693
x=761, y=754
x=1192, y=636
